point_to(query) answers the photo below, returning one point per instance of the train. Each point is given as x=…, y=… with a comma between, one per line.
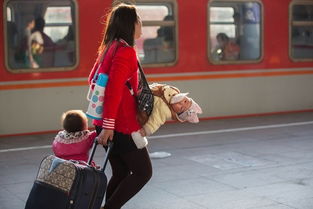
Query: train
x=236, y=58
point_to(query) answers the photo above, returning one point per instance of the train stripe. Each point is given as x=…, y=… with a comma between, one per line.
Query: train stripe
x=231, y=75
x=43, y=85
x=160, y=79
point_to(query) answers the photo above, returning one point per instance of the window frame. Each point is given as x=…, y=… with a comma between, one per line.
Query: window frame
x=48, y=69
x=163, y=23
x=297, y=23
x=227, y=4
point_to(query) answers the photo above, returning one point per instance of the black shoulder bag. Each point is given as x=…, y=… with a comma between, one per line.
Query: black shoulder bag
x=144, y=98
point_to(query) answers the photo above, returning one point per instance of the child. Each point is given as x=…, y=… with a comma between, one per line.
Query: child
x=75, y=141
x=168, y=103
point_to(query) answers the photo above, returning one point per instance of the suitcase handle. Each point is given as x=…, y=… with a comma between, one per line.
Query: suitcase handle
x=93, y=150
x=106, y=159
x=95, y=144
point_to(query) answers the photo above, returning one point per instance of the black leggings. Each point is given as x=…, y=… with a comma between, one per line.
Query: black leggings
x=131, y=170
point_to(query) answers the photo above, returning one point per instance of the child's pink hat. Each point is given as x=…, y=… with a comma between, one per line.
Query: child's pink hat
x=189, y=115
x=178, y=97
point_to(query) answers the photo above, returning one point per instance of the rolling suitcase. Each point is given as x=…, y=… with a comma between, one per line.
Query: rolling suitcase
x=64, y=184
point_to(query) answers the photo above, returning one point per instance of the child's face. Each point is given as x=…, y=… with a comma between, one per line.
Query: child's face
x=31, y=25
x=182, y=106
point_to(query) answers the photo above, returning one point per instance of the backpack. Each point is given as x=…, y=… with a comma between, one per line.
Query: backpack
x=159, y=90
x=145, y=99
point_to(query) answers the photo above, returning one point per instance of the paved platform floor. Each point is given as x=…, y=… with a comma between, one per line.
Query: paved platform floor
x=248, y=163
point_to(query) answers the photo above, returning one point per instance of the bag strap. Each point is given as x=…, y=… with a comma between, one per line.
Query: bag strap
x=142, y=77
x=95, y=77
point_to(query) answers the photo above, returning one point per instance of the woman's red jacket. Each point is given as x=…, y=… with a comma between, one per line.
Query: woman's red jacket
x=119, y=109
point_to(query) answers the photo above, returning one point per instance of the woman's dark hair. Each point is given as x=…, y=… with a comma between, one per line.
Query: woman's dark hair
x=166, y=31
x=120, y=24
x=223, y=37
x=74, y=120
x=39, y=24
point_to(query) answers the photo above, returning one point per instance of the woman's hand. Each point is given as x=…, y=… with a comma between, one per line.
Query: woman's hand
x=105, y=135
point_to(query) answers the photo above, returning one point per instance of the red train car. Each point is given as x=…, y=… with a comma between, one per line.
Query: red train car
x=236, y=58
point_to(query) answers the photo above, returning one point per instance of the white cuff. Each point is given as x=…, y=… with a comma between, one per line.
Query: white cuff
x=139, y=141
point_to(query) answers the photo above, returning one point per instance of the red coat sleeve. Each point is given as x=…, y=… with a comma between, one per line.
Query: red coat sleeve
x=123, y=66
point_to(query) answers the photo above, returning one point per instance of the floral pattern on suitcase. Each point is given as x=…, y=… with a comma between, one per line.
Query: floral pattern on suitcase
x=57, y=173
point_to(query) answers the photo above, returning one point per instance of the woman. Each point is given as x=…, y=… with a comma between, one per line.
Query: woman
x=229, y=49
x=42, y=45
x=131, y=167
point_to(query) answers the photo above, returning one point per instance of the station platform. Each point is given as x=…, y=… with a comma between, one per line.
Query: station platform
x=261, y=162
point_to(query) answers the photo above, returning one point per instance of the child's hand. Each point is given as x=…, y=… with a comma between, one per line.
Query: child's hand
x=142, y=132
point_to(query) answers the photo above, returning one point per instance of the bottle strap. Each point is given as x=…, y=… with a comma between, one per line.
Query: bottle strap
x=95, y=77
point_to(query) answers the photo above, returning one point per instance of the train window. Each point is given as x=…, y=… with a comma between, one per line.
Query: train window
x=301, y=31
x=158, y=45
x=40, y=35
x=234, y=32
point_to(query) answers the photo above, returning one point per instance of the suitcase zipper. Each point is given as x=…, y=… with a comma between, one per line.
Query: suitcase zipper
x=75, y=187
x=92, y=202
